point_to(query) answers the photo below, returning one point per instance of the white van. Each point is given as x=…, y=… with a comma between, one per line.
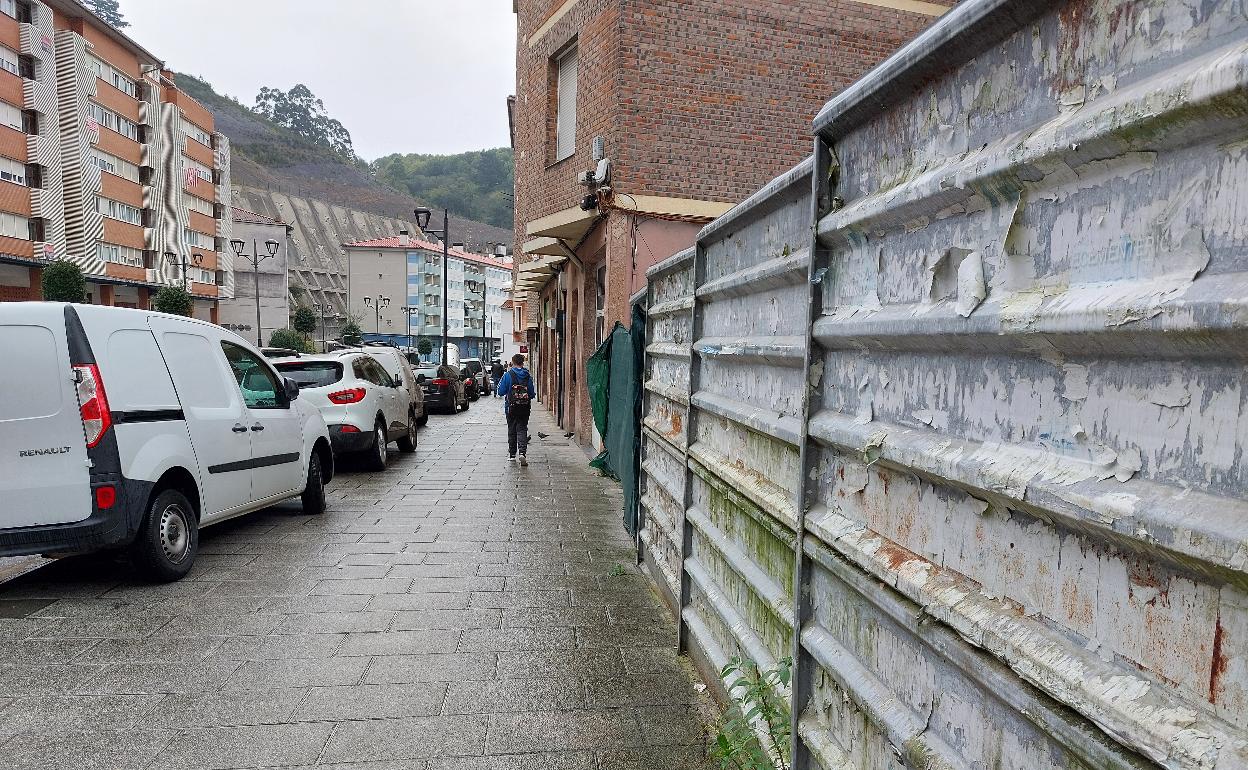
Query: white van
x=128, y=428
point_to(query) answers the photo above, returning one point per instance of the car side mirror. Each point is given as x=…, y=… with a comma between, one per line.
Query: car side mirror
x=291, y=387
x=398, y=380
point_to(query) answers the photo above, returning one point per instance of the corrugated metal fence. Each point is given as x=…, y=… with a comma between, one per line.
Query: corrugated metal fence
x=983, y=358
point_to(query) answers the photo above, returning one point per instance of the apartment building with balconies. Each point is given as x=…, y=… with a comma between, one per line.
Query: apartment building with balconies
x=122, y=173
x=407, y=271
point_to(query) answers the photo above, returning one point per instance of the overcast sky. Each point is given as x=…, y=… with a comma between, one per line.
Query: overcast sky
x=428, y=76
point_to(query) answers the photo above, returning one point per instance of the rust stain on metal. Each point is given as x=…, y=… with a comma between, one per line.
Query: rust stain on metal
x=1219, y=662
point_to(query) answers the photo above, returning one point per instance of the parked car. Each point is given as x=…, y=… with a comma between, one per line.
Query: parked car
x=477, y=374
x=397, y=366
x=280, y=353
x=129, y=428
x=362, y=404
x=444, y=388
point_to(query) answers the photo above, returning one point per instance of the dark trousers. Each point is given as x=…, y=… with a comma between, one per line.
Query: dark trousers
x=517, y=430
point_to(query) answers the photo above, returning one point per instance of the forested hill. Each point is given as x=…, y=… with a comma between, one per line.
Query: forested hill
x=476, y=184
x=294, y=148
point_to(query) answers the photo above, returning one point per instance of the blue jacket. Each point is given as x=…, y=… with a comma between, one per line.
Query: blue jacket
x=504, y=384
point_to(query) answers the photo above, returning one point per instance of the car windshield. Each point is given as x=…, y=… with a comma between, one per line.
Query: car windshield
x=473, y=366
x=428, y=372
x=312, y=374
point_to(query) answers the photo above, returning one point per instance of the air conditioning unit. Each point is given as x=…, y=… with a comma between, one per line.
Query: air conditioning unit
x=153, y=275
x=550, y=324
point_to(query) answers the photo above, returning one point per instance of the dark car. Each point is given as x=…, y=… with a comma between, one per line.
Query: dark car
x=475, y=379
x=444, y=388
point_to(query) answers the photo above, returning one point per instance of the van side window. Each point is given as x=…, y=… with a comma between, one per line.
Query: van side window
x=259, y=385
x=196, y=371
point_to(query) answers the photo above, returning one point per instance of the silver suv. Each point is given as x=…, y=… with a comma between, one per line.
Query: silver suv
x=364, y=407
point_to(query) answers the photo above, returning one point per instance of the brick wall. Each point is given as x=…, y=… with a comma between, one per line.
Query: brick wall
x=700, y=99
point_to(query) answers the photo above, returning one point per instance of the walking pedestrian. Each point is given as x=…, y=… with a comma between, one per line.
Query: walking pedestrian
x=496, y=376
x=516, y=388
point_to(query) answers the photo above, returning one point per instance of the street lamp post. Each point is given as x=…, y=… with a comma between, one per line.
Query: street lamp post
x=409, y=312
x=322, y=307
x=255, y=258
x=196, y=258
x=478, y=287
x=377, y=304
x=422, y=221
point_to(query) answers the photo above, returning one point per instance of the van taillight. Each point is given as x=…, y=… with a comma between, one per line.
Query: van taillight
x=92, y=403
x=441, y=383
x=347, y=396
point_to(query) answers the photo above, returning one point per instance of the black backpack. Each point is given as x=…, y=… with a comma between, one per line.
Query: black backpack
x=519, y=390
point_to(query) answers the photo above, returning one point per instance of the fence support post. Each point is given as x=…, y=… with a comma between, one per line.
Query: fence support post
x=808, y=489
x=698, y=272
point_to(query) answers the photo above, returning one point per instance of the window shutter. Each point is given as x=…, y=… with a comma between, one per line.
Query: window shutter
x=565, y=115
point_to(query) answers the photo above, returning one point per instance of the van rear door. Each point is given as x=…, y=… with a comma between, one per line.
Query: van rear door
x=44, y=477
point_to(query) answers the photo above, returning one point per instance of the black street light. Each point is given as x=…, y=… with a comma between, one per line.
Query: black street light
x=322, y=307
x=255, y=258
x=478, y=287
x=196, y=259
x=380, y=302
x=422, y=221
x=409, y=312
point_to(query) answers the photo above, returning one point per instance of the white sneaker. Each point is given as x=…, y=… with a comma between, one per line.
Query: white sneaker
x=524, y=461
x=511, y=458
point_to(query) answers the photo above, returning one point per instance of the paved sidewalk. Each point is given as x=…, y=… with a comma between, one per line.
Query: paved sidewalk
x=453, y=613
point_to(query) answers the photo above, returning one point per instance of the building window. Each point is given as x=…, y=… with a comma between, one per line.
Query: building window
x=36, y=229
x=196, y=133
x=121, y=255
x=114, y=122
x=10, y=60
x=9, y=8
x=26, y=65
x=34, y=175
x=565, y=103
x=207, y=208
x=11, y=116
x=114, y=165
x=13, y=172
x=111, y=75
x=198, y=240
x=193, y=170
x=30, y=122
x=122, y=212
x=25, y=12
x=13, y=226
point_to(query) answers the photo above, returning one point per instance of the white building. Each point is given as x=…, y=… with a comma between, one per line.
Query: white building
x=395, y=289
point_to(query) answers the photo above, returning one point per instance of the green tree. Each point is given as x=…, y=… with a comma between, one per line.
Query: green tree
x=289, y=338
x=63, y=282
x=351, y=332
x=299, y=111
x=109, y=11
x=304, y=320
x=424, y=346
x=475, y=185
x=174, y=300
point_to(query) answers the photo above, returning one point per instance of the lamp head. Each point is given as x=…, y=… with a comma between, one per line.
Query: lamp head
x=368, y=302
x=422, y=217
x=238, y=245
x=271, y=245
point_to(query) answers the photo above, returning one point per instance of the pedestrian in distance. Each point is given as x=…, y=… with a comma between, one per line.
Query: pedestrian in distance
x=516, y=388
x=496, y=376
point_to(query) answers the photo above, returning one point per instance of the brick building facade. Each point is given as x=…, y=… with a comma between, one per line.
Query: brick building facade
x=108, y=164
x=695, y=104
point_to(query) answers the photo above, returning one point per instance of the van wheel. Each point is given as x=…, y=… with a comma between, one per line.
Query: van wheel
x=313, y=497
x=407, y=442
x=165, y=548
x=376, y=457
